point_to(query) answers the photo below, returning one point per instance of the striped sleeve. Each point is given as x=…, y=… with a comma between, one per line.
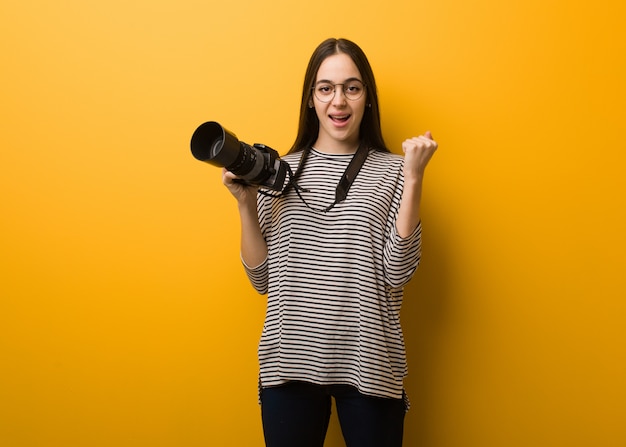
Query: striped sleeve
x=258, y=276
x=402, y=256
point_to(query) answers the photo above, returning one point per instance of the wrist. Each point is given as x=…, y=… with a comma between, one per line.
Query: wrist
x=246, y=202
x=413, y=180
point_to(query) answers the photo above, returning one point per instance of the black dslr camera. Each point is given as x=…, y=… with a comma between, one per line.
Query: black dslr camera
x=256, y=165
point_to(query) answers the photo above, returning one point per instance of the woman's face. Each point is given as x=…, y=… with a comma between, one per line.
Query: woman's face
x=340, y=117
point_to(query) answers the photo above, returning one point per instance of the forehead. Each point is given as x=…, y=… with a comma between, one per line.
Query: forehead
x=338, y=68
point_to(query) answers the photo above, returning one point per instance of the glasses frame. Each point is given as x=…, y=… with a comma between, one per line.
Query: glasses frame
x=343, y=89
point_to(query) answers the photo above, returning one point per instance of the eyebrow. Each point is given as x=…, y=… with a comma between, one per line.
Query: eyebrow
x=322, y=81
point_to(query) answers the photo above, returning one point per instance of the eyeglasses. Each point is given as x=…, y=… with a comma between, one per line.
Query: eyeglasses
x=325, y=91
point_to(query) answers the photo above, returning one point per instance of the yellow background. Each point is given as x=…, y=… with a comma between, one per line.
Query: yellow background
x=125, y=316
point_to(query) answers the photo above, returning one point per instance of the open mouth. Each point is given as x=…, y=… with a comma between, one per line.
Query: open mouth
x=339, y=118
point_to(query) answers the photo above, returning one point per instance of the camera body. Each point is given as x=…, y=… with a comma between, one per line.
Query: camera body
x=256, y=165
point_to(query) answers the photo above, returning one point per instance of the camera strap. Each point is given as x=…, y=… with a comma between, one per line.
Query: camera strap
x=341, y=192
x=349, y=175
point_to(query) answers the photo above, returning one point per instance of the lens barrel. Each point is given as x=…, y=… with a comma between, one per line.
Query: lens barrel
x=213, y=144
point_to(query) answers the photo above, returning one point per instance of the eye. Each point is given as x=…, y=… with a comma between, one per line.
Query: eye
x=325, y=89
x=353, y=87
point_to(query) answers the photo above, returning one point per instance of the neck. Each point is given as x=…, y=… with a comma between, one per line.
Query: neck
x=336, y=148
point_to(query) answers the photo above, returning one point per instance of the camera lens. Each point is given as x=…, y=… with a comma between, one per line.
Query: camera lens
x=216, y=147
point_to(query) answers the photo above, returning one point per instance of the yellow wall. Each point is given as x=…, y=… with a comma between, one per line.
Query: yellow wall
x=125, y=316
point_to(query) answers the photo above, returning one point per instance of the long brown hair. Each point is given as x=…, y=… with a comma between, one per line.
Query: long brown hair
x=370, y=134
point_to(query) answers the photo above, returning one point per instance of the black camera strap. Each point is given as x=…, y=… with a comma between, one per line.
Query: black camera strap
x=349, y=175
x=341, y=192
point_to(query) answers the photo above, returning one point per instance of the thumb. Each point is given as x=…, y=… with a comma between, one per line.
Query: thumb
x=428, y=135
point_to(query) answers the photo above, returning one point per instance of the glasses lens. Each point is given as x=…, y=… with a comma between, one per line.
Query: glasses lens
x=324, y=91
x=353, y=90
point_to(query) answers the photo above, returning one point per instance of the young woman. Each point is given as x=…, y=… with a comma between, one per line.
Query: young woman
x=333, y=252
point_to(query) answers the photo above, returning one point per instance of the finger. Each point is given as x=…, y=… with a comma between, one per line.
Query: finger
x=422, y=141
x=407, y=144
x=228, y=178
x=228, y=174
x=427, y=140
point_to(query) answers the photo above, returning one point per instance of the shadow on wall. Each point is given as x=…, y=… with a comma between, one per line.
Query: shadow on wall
x=423, y=319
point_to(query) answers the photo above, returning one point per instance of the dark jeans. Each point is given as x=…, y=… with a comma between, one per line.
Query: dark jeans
x=297, y=415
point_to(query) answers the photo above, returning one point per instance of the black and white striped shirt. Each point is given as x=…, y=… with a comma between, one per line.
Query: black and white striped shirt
x=335, y=280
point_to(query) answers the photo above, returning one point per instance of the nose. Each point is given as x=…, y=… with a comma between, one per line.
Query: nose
x=340, y=96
